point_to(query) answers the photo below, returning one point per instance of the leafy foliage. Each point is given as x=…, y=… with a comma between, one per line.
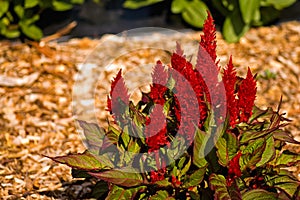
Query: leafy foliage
x=157, y=150
x=239, y=15
x=20, y=16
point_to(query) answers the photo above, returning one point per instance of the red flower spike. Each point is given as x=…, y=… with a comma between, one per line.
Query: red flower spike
x=247, y=95
x=158, y=175
x=175, y=181
x=159, y=75
x=234, y=170
x=159, y=80
x=208, y=39
x=229, y=80
x=156, y=131
x=118, y=92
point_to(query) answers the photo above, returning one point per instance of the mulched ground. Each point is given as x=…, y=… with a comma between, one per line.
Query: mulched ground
x=36, y=94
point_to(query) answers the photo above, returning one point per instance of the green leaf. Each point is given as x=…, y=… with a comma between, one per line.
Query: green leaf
x=195, y=178
x=291, y=188
x=259, y=194
x=100, y=189
x=177, y=6
x=227, y=148
x=161, y=194
x=120, y=193
x=281, y=4
x=252, y=154
x=31, y=3
x=220, y=7
x=4, y=5
x=32, y=31
x=163, y=183
x=119, y=177
x=61, y=5
x=218, y=184
x=11, y=33
x=234, y=28
x=269, y=152
x=248, y=9
x=254, y=135
x=19, y=10
x=94, y=135
x=287, y=158
x=84, y=161
x=269, y=14
x=200, y=141
x=135, y=4
x=284, y=136
x=195, y=13
x=77, y=1
x=185, y=168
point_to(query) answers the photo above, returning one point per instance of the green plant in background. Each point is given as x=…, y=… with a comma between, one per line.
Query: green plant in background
x=19, y=16
x=239, y=15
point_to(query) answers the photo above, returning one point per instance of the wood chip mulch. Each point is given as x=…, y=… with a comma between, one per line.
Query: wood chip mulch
x=36, y=94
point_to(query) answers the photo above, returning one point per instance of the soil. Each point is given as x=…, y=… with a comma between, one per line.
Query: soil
x=45, y=86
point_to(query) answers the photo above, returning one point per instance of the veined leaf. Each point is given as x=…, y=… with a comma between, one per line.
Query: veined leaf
x=284, y=136
x=227, y=148
x=94, y=135
x=163, y=183
x=259, y=194
x=222, y=152
x=269, y=152
x=290, y=188
x=218, y=184
x=252, y=154
x=287, y=158
x=184, y=168
x=85, y=161
x=195, y=178
x=200, y=141
x=120, y=193
x=119, y=177
x=161, y=194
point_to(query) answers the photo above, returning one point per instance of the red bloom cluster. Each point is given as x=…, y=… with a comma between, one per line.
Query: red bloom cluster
x=234, y=170
x=118, y=96
x=189, y=84
x=208, y=39
x=156, y=131
x=247, y=94
x=229, y=80
x=158, y=175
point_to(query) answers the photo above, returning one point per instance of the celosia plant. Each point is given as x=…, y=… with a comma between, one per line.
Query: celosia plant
x=196, y=135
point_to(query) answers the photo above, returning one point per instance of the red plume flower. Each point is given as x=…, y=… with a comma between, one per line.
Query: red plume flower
x=158, y=88
x=229, y=80
x=208, y=39
x=234, y=170
x=156, y=131
x=246, y=94
x=118, y=95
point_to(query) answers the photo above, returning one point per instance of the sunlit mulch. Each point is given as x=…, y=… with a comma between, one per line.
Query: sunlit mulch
x=36, y=82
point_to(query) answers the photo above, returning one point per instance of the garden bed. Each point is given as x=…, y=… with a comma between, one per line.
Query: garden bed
x=36, y=86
